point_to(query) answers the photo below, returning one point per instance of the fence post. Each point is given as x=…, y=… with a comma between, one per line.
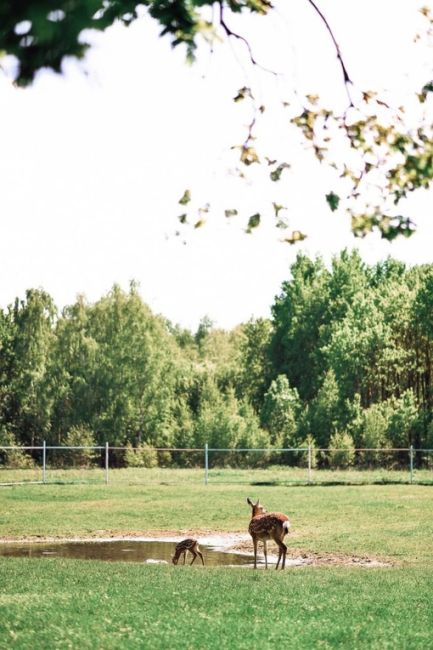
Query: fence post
x=309, y=463
x=44, y=462
x=206, y=464
x=411, y=463
x=106, y=463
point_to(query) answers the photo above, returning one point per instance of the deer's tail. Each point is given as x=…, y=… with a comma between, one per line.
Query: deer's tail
x=286, y=526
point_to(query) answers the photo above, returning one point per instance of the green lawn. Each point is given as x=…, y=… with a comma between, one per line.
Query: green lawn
x=66, y=604
x=275, y=475
x=55, y=603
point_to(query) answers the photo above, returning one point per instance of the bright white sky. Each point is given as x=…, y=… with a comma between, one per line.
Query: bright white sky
x=92, y=165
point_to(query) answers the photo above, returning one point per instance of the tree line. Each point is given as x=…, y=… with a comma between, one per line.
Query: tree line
x=345, y=361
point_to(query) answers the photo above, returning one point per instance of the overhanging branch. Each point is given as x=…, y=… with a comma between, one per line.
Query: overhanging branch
x=346, y=77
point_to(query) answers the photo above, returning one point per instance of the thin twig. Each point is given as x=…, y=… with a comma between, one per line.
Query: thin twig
x=346, y=77
x=233, y=34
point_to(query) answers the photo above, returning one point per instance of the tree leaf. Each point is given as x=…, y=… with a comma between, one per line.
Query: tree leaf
x=249, y=155
x=186, y=198
x=278, y=208
x=333, y=201
x=294, y=237
x=253, y=222
x=243, y=93
x=276, y=173
x=204, y=210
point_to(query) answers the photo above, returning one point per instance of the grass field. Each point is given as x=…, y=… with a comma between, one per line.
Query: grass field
x=275, y=475
x=54, y=603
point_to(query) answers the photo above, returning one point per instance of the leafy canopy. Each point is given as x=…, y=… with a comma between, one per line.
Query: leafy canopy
x=379, y=155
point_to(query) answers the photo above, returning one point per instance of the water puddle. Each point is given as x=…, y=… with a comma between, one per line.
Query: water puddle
x=151, y=552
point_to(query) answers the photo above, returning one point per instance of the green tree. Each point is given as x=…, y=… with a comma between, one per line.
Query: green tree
x=375, y=432
x=404, y=421
x=423, y=337
x=72, y=372
x=118, y=369
x=353, y=418
x=299, y=313
x=220, y=355
x=255, y=364
x=225, y=423
x=204, y=327
x=281, y=407
x=30, y=339
x=348, y=280
x=325, y=410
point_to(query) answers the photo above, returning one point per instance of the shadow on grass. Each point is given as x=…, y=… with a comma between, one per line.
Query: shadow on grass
x=336, y=483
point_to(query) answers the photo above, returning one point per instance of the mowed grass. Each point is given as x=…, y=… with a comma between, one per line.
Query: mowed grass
x=55, y=603
x=78, y=604
x=273, y=475
x=391, y=521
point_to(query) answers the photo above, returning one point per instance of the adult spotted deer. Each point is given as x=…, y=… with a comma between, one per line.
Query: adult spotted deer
x=185, y=545
x=268, y=525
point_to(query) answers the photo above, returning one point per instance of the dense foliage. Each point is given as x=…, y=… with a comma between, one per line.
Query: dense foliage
x=345, y=362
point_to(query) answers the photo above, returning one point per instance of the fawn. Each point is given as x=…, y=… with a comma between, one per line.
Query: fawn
x=185, y=545
x=268, y=525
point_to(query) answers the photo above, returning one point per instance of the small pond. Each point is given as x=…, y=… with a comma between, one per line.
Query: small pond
x=123, y=551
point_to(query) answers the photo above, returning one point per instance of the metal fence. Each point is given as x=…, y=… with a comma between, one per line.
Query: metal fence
x=284, y=466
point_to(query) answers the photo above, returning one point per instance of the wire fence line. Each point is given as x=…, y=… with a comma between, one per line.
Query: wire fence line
x=261, y=466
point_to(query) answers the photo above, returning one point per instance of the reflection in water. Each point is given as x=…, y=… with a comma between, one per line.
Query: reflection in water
x=123, y=551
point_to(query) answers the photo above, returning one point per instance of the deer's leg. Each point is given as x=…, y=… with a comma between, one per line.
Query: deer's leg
x=265, y=553
x=279, y=557
x=284, y=556
x=255, y=552
x=283, y=551
x=184, y=557
x=201, y=555
x=194, y=554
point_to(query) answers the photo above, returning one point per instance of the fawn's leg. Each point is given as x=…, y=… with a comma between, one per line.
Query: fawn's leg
x=265, y=553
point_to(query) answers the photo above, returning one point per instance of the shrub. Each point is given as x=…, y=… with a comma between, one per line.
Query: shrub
x=164, y=458
x=79, y=436
x=303, y=455
x=377, y=420
x=343, y=451
x=14, y=458
x=141, y=456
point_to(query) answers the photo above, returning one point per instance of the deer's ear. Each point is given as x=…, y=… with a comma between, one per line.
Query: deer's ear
x=250, y=502
x=258, y=502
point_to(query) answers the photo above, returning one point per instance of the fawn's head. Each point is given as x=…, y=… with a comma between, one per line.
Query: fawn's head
x=256, y=508
x=175, y=558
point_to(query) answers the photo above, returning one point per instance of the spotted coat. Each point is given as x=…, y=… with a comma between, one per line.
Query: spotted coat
x=183, y=547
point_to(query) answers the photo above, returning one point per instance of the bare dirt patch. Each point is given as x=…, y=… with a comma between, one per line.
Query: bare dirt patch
x=311, y=558
x=221, y=541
